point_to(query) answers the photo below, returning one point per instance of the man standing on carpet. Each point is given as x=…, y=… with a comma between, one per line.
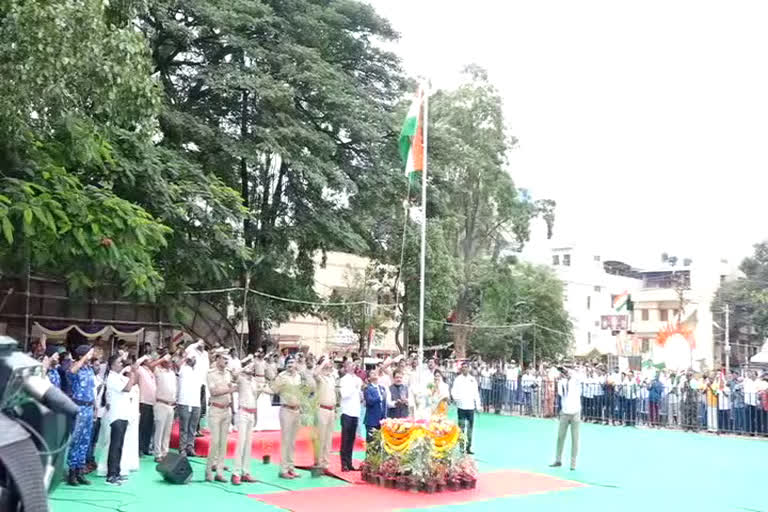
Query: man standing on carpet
x=188, y=404
x=248, y=390
x=220, y=387
x=398, y=392
x=287, y=385
x=350, y=389
x=375, y=405
x=570, y=416
x=466, y=394
x=165, y=402
x=81, y=378
x=325, y=389
x=147, y=398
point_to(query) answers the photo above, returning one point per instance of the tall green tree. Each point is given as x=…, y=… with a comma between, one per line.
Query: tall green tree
x=484, y=216
x=522, y=293
x=71, y=80
x=747, y=299
x=288, y=102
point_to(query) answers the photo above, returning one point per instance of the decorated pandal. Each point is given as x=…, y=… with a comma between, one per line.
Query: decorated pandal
x=419, y=455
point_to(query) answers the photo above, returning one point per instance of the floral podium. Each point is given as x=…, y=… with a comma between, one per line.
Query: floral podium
x=419, y=455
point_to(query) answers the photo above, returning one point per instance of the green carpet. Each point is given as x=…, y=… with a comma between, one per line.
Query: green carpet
x=626, y=470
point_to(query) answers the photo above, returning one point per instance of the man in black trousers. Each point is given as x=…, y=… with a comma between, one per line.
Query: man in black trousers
x=350, y=387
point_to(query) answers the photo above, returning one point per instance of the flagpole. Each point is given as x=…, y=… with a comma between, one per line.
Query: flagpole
x=423, y=226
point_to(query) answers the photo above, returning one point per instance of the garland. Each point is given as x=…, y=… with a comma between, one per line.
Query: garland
x=399, y=435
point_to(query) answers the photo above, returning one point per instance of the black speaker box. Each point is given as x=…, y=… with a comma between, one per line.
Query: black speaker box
x=175, y=469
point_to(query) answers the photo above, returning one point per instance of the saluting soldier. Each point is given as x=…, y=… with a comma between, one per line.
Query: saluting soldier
x=248, y=391
x=287, y=385
x=326, y=411
x=220, y=387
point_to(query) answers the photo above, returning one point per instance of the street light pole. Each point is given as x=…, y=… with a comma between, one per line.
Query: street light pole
x=727, y=338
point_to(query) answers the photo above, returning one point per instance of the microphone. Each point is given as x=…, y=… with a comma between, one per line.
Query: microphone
x=50, y=396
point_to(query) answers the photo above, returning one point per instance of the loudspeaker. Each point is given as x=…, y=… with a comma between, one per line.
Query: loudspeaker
x=175, y=469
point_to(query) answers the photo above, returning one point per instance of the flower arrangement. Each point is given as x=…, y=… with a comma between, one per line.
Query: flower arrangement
x=419, y=455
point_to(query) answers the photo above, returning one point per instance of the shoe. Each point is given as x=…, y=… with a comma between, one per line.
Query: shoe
x=81, y=478
x=122, y=478
x=470, y=452
x=248, y=479
x=294, y=474
x=345, y=469
x=111, y=480
x=220, y=478
x=191, y=453
x=72, y=478
x=209, y=478
x=353, y=468
x=556, y=464
x=573, y=468
x=159, y=459
x=199, y=434
x=287, y=476
x=235, y=480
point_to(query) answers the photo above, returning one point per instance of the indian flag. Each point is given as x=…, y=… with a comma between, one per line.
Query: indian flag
x=620, y=301
x=412, y=137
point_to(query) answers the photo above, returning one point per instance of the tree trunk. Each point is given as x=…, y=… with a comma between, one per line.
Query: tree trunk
x=255, y=334
x=461, y=332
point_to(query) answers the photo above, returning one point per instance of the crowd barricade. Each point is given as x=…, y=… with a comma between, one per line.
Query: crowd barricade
x=732, y=412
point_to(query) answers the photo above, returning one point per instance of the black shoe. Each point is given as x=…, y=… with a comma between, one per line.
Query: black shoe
x=113, y=480
x=470, y=452
x=81, y=480
x=556, y=464
x=72, y=478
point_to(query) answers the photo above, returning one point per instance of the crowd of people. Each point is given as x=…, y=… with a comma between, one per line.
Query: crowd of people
x=717, y=401
x=129, y=401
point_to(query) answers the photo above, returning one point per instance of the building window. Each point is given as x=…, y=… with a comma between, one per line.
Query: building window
x=597, y=323
x=556, y=259
x=646, y=345
x=589, y=302
x=663, y=315
x=567, y=260
x=599, y=289
x=589, y=338
x=645, y=315
x=597, y=258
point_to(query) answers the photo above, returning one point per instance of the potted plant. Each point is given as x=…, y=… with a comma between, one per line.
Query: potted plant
x=430, y=486
x=414, y=484
x=388, y=471
x=266, y=457
x=467, y=472
x=439, y=485
x=402, y=482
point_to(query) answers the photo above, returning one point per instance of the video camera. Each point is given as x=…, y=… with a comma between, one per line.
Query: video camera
x=36, y=423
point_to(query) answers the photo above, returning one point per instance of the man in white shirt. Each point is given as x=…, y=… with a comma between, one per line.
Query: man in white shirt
x=570, y=416
x=118, y=385
x=467, y=397
x=350, y=389
x=188, y=404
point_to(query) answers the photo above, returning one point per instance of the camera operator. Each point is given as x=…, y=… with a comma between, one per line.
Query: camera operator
x=81, y=377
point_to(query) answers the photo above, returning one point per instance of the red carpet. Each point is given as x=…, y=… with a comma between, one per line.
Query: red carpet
x=334, y=470
x=497, y=484
x=268, y=443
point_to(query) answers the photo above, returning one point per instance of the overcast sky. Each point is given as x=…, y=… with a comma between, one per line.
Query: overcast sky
x=646, y=121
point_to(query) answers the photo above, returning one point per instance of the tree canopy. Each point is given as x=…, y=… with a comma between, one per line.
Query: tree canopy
x=165, y=146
